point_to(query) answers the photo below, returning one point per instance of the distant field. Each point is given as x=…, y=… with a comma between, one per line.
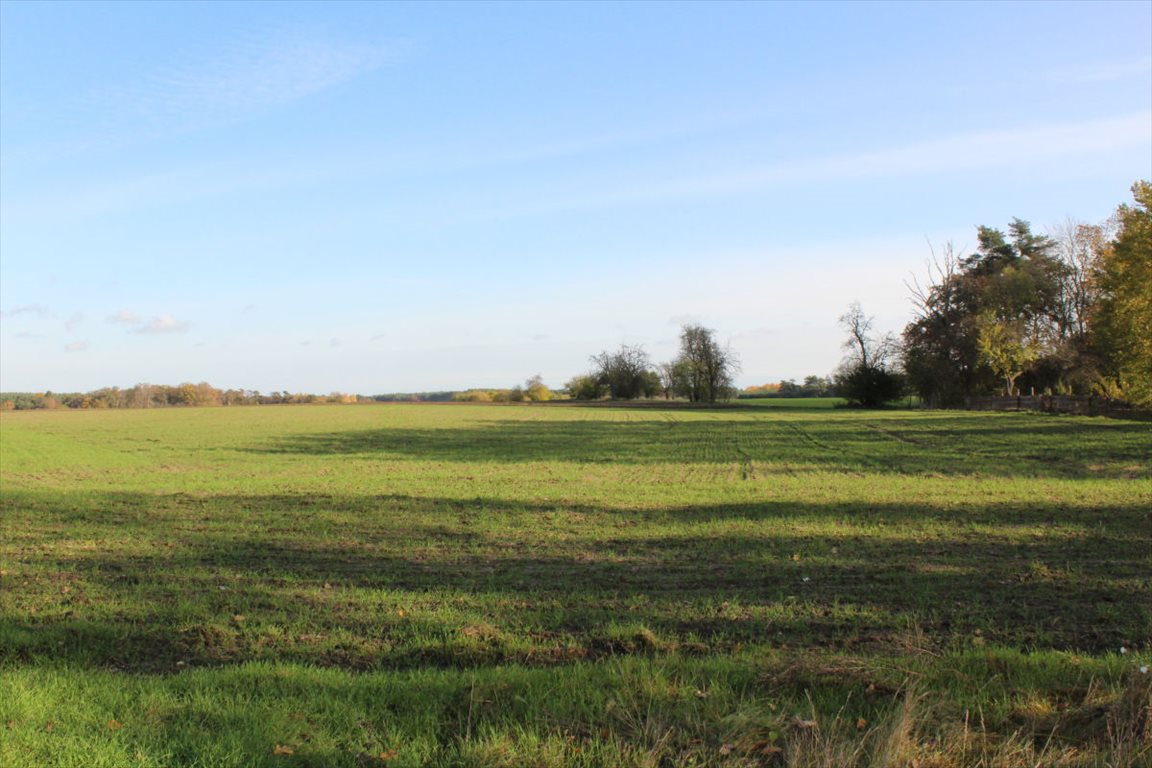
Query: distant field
x=538, y=585
x=791, y=403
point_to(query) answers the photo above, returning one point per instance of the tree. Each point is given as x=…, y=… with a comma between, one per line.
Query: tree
x=585, y=387
x=1017, y=277
x=863, y=346
x=1122, y=324
x=1006, y=348
x=624, y=373
x=666, y=375
x=866, y=376
x=536, y=391
x=704, y=370
x=1081, y=248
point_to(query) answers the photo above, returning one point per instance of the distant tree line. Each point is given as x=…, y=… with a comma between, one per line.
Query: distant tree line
x=533, y=391
x=161, y=396
x=204, y=394
x=812, y=386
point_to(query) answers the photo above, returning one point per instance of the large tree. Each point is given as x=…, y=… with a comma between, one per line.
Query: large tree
x=1122, y=323
x=704, y=371
x=626, y=373
x=1016, y=278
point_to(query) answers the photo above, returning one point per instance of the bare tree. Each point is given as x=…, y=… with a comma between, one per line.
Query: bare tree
x=666, y=372
x=942, y=268
x=866, y=377
x=1080, y=248
x=863, y=347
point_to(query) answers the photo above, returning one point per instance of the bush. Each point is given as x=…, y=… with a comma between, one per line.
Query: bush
x=869, y=386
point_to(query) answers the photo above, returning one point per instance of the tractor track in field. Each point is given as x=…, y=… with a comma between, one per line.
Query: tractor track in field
x=865, y=459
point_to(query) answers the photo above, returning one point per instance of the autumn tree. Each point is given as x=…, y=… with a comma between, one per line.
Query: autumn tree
x=1006, y=348
x=1017, y=277
x=1122, y=322
x=536, y=391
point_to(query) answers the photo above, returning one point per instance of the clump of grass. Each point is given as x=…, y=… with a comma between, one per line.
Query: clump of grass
x=1105, y=730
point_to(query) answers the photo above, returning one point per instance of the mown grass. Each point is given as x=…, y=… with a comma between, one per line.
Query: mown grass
x=487, y=585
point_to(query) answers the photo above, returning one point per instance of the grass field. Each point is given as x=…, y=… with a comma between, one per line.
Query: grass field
x=561, y=585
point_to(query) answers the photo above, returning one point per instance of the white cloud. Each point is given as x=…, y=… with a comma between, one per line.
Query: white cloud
x=162, y=324
x=73, y=321
x=125, y=317
x=39, y=310
x=243, y=76
x=76, y=346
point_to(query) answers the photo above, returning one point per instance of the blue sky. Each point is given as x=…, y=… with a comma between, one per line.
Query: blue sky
x=378, y=197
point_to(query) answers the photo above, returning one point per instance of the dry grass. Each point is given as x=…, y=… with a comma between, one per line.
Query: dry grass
x=1103, y=731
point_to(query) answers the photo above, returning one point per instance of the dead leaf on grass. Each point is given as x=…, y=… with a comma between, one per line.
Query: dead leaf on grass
x=281, y=749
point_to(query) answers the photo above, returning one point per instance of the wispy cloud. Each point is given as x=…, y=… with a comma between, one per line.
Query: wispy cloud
x=76, y=346
x=36, y=310
x=162, y=324
x=244, y=76
x=962, y=152
x=1106, y=71
x=977, y=151
x=73, y=321
x=125, y=317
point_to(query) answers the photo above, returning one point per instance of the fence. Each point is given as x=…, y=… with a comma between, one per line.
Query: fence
x=1086, y=406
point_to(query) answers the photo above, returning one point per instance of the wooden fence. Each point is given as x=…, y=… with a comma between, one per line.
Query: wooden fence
x=1086, y=406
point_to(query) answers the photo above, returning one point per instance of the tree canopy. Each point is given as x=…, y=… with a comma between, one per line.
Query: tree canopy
x=1070, y=313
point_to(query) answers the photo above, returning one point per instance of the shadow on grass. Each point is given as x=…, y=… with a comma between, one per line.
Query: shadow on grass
x=998, y=445
x=397, y=582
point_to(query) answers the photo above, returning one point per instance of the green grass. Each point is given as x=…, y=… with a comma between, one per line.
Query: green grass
x=791, y=403
x=504, y=585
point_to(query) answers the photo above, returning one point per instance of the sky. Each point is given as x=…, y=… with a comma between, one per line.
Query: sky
x=390, y=197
